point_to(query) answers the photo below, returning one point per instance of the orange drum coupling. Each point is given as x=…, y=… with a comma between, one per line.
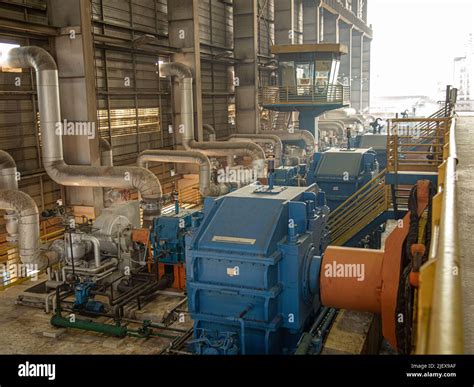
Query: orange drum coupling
x=368, y=280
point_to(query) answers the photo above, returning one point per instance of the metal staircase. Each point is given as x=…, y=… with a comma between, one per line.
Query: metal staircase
x=416, y=147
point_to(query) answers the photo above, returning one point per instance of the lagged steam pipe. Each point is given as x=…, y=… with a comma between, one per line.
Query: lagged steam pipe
x=206, y=185
x=211, y=148
x=106, y=153
x=50, y=118
x=211, y=132
x=27, y=212
x=8, y=172
x=263, y=138
x=22, y=218
x=296, y=136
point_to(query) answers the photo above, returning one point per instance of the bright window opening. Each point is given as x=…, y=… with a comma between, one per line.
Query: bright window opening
x=4, y=49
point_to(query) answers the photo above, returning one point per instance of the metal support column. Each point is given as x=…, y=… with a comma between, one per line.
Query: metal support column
x=183, y=18
x=366, y=73
x=357, y=60
x=246, y=67
x=75, y=58
x=312, y=21
x=330, y=27
x=345, y=37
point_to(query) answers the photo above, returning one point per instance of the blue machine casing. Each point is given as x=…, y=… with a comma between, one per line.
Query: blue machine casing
x=168, y=235
x=289, y=175
x=377, y=142
x=341, y=172
x=253, y=270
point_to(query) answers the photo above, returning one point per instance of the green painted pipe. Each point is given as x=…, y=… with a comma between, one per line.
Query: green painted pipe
x=89, y=325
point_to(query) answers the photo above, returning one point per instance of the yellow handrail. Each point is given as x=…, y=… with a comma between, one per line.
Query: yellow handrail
x=421, y=148
x=439, y=315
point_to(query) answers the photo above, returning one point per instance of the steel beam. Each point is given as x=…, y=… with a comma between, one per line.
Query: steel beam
x=246, y=67
x=75, y=58
x=183, y=18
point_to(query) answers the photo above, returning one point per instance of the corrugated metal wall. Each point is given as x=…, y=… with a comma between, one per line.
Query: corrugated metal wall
x=266, y=31
x=133, y=115
x=134, y=103
x=19, y=132
x=217, y=43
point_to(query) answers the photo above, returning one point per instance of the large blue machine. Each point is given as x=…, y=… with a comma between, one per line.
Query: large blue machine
x=378, y=142
x=342, y=172
x=253, y=269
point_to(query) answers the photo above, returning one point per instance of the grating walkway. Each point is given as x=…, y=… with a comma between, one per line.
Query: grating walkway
x=465, y=205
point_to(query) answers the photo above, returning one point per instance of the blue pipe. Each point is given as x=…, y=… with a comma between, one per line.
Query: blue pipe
x=241, y=321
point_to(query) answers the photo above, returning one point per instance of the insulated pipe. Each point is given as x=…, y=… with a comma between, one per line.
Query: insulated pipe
x=296, y=135
x=211, y=148
x=262, y=138
x=206, y=186
x=28, y=226
x=211, y=132
x=50, y=119
x=95, y=245
x=106, y=153
x=333, y=123
x=22, y=220
x=8, y=172
x=224, y=149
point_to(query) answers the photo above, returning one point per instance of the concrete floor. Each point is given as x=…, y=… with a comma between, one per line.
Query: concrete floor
x=465, y=143
x=26, y=330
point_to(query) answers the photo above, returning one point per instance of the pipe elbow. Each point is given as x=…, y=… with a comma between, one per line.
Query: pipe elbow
x=28, y=224
x=211, y=132
x=6, y=161
x=175, y=69
x=30, y=57
x=146, y=182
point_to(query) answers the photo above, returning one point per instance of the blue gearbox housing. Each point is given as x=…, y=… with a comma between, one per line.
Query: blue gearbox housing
x=290, y=175
x=342, y=172
x=253, y=269
x=378, y=142
x=168, y=235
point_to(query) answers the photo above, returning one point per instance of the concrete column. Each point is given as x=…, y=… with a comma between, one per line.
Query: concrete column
x=183, y=18
x=330, y=28
x=246, y=67
x=364, y=10
x=75, y=58
x=285, y=28
x=357, y=59
x=311, y=21
x=366, y=73
x=345, y=37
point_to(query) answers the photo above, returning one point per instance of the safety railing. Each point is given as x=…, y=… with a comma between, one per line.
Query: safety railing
x=416, y=144
x=439, y=315
x=359, y=210
x=305, y=95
